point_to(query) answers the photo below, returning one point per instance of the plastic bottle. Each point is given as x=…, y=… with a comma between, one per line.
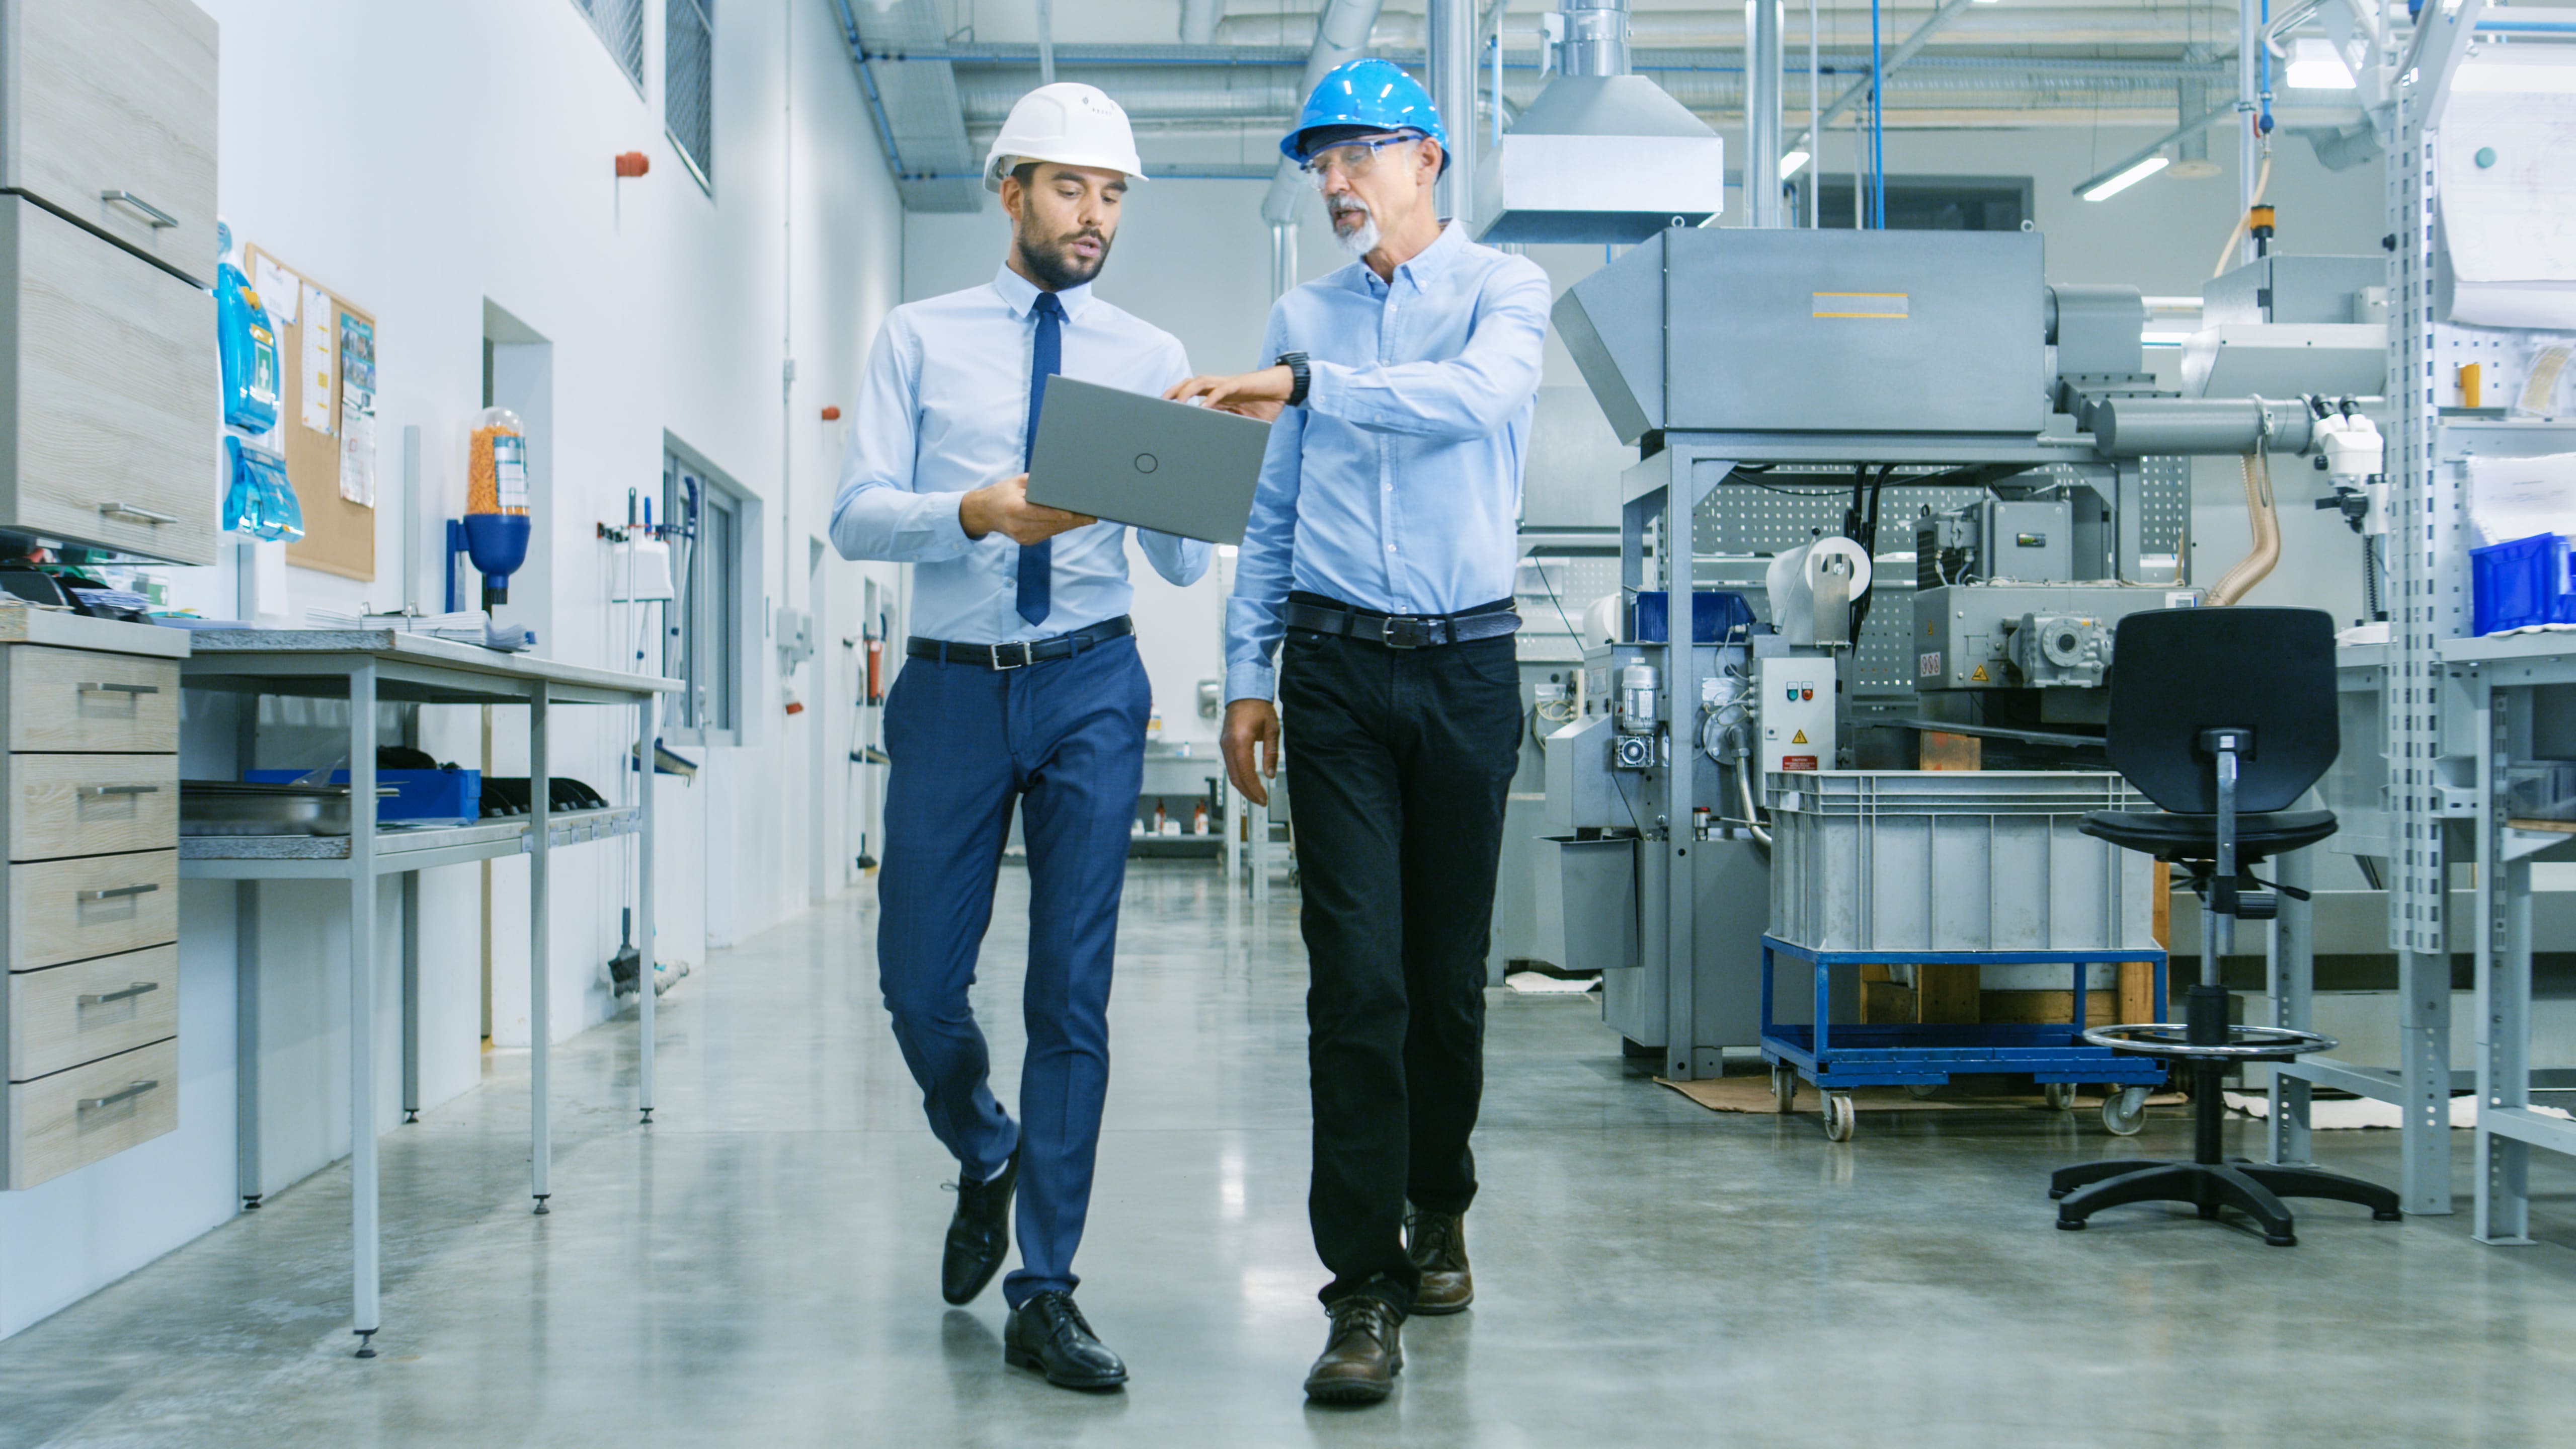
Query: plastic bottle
x=497, y=464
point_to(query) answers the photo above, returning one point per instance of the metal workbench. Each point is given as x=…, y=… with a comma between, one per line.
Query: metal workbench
x=368, y=667
x=2497, y=683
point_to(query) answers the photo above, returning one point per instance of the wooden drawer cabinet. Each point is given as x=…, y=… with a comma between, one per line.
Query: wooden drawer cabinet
x=109, y=406
x=73, y=1118
x=68, y=1016
x=89, y=891
x=92, y=702
x=70, y=910
x=66, y=805
x=107, y=115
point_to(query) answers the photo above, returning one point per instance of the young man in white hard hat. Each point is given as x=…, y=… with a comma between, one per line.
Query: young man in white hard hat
x=1382, y=545
x=1022, y=688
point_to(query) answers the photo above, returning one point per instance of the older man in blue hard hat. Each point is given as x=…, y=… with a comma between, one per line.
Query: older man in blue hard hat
x=1023, y=690
x=1382, y=547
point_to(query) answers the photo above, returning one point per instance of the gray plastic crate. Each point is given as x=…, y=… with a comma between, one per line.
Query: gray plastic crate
x=1941, y=860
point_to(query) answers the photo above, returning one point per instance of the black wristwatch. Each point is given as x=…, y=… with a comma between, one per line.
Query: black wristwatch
x=1295, y=362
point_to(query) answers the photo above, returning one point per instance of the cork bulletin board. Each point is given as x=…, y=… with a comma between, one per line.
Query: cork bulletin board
x=339, y=535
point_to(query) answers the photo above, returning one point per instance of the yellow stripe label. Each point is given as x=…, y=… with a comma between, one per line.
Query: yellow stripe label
x=1892, y=306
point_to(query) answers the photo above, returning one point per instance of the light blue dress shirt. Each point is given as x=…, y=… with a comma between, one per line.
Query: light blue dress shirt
x=943, y=411
x=1397, y=485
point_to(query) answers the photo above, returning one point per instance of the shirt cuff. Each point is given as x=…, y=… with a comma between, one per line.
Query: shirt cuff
x=947, y=529
x=1326, y=383
x=1250, y=681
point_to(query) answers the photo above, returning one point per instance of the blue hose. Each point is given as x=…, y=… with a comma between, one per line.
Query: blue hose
x=1878, y=126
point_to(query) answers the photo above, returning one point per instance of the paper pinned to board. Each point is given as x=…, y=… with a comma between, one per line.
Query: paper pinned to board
x=279, y=290
x=2508, y=195
x=320, y=343
x=2512, y=498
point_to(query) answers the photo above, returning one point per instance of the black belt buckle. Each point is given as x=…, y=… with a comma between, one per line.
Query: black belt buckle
x=1028, y=654
x=1394, y=629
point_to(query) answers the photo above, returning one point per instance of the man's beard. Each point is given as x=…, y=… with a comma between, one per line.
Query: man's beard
x=1359, y=240
x=1056, y=269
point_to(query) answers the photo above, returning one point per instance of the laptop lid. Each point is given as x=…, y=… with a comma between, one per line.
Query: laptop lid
x=1138, y=460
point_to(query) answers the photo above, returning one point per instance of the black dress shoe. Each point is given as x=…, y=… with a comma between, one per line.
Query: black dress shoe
x=979, y=1236
x=1047, y=1334
x=1363, y=1355
x=1437, y=1243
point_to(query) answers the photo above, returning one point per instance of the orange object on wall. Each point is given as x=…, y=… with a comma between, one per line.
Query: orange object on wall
x=633, y=163
x=832, y=413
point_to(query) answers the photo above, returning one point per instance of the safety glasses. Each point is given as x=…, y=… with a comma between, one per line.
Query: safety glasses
x=1350, y=160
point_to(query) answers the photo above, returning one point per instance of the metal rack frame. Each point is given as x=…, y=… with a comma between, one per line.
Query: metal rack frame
x=368, y=666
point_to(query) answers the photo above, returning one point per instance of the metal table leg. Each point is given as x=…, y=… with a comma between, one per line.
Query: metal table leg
x=2293, y=989
x=2503, y=1211
x=246, y=960
x=540, y=983
x=411, y=996
x=645, y=980
x=2424, y=1040
x=363, y=1205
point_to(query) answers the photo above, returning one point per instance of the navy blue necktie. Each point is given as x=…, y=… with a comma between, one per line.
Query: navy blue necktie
x=1046, y=359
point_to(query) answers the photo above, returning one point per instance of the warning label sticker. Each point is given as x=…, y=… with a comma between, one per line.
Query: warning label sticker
x=1797, y=762
x=1799, y=738
x=1927, y=665
x=1977, y=675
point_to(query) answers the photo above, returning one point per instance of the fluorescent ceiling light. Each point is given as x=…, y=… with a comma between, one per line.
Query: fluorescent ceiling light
x=2314, y=66
x=2117, y=182
x=1790, y=163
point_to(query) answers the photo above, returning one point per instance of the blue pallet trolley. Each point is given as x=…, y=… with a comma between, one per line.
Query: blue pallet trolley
x=1921, y=1056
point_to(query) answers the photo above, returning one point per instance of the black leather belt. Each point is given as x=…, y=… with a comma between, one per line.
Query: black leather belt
x=1403, y=631
x=1020, y=654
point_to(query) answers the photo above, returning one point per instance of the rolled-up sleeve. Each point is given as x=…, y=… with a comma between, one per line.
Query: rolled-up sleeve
x=876, y=514
x=1266, y=562
x=1183, y=561
x=1467, y=396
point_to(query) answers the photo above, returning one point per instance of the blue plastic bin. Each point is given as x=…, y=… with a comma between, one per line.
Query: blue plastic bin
x=2522, y=583
x=422, y=797
x=1716, y=615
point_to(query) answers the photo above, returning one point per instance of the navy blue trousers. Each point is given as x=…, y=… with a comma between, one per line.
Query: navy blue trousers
x=1064, y=740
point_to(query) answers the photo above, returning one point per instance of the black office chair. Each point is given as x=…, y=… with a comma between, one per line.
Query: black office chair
x=2224, y=717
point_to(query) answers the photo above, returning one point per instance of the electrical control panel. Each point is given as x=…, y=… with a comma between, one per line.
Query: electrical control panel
x=1797, y=705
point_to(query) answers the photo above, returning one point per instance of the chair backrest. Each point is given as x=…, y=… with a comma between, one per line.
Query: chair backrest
x=2178, y=672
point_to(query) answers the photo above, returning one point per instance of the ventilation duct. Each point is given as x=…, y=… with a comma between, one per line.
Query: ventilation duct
x=1601, y=155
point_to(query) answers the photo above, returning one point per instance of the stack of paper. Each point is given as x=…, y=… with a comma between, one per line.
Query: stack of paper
x=465, y=626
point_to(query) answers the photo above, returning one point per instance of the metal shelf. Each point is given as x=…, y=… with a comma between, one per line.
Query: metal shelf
x=398, y=848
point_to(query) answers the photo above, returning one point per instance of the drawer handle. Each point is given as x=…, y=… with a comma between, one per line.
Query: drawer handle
x=98, y=791
x=132, y=1091
x=102, y=998
x=119, y=892
x=111, y=688
x=128, y=510
x=151, y=213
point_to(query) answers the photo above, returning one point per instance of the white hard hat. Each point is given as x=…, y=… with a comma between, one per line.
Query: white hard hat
x=1069, y=123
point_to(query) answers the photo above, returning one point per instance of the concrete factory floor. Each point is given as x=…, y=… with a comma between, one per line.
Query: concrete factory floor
x=760, y=1266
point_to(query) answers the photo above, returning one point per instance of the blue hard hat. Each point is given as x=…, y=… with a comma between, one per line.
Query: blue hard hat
x=1365, y=95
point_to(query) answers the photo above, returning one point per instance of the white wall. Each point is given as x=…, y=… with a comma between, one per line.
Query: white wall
x=421, y=160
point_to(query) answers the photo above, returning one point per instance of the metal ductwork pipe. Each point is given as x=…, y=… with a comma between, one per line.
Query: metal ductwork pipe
x=1452, y=83
x=1283, y=258
x=1342, y=34
x=1762, y=62
x=1596, y=38
x=2138, y=427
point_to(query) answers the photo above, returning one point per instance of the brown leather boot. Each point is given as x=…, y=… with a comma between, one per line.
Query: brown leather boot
x=1363, y=1355
x=1437, y=1243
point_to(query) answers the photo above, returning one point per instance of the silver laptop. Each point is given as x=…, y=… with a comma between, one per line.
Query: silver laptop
x=1138, y=460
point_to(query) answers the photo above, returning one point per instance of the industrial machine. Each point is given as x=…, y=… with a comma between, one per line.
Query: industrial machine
x=1786, y=390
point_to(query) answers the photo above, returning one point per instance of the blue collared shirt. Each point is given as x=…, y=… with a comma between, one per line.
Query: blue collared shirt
x=1397, y=485
x=944, y=411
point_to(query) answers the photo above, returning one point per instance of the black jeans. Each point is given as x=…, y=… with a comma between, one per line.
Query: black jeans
x=1398, y=764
